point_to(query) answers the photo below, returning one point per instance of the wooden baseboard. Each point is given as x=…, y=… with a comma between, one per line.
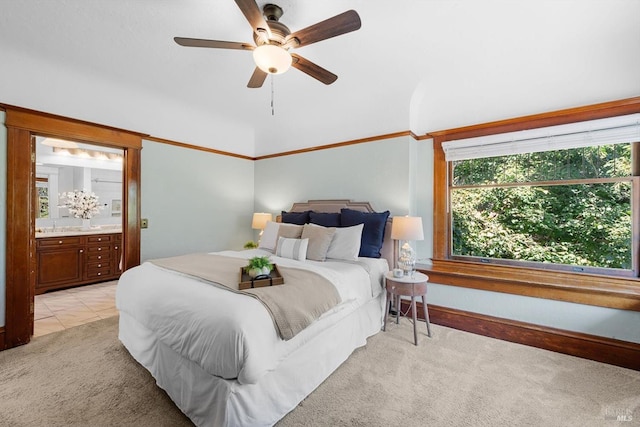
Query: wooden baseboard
x=606, y=350
x=1, y=337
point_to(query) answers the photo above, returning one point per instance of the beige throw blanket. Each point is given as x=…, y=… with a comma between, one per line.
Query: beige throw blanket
x=294, y=305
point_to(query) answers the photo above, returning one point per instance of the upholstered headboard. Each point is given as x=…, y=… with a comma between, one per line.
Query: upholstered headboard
x=388, y=246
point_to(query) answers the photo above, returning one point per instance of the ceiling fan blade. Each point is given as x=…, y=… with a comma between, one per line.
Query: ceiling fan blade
x=257, y=78
x=339, y=24
x=252, y=12
x=184, y=41
x=315, y=71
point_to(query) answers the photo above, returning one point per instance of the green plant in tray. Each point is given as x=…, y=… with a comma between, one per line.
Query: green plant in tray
x=258, y=266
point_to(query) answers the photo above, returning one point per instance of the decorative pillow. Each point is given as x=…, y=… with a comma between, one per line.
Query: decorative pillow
x=346, y=243
x=300, y=218
x=325, y=219
x=290, y=231
x=269, y=237
x=373, y=232
x=292, y=248
x=319, y=240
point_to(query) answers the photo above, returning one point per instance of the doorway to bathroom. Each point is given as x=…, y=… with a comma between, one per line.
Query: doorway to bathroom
x=78, y=232
x=23, y=126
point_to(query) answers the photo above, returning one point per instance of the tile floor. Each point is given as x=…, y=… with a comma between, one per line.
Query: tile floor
x=55, y=311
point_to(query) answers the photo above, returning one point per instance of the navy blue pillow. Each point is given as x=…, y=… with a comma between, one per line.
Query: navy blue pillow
x=299, y=218
x=325, y=219
x=372, y=232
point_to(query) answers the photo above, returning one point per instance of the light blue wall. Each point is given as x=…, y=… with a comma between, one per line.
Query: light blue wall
x=3, y=213
x=375, y=172
x=423, y=185
x=397, y=174
x=195, y=201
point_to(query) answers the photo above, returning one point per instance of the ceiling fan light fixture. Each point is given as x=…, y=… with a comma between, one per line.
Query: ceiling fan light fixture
x=272, y=59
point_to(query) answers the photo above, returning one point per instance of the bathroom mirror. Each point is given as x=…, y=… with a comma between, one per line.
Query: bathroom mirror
x=64, y=166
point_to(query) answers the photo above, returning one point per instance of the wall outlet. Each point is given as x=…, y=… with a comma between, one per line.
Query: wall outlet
x=144, y=223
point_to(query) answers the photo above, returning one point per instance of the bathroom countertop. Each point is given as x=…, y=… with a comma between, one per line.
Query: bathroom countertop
x=77, y=232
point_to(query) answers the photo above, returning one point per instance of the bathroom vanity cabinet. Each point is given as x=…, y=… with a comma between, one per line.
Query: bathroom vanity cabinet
x=69, y=260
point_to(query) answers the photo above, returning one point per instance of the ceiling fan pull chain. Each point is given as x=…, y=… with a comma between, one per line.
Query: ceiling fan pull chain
x=272, y=109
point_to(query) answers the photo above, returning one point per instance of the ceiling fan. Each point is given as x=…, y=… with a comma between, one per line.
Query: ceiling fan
x=273, y=40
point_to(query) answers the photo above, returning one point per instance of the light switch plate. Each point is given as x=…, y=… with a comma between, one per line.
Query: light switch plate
x=144, y=223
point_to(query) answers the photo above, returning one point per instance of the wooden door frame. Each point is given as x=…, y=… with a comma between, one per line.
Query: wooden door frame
x=22, y=124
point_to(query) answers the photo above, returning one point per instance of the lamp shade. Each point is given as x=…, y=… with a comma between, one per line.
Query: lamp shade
x=407, y=228
x=272, y=59
x=260, y=220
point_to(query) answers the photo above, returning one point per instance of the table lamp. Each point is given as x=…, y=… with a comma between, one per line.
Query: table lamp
x=260, y=220
x=406, y=228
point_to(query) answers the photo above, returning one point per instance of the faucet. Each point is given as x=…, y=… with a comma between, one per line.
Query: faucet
x=54, y=226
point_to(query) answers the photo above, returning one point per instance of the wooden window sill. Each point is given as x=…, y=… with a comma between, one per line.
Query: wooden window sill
x=603, y=291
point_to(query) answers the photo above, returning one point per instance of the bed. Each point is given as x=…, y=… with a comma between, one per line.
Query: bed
x=222, y=355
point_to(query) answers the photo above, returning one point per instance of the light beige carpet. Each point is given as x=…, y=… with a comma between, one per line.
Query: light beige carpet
x=84, y=377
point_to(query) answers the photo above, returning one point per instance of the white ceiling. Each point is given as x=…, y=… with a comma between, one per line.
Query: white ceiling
x=422, y=65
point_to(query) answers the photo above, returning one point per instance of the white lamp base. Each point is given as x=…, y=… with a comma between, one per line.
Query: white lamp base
x=407, y=259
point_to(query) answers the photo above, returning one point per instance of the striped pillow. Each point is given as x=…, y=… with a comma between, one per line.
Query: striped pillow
x=292, y=248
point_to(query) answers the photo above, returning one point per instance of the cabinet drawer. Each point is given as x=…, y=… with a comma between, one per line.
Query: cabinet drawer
x=98, y=256
x=92, y=266
x=57, y=242
x=100, y=272
x=100, y=238
x=99, y=248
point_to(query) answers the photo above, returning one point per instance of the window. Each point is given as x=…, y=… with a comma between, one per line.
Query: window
x=558, y=197
x=520, y=210
x=42, y=206
x=564, y=209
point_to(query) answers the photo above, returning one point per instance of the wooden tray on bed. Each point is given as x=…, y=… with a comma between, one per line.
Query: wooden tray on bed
x=246, y=282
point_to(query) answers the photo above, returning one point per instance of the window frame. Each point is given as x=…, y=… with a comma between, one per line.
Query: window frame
x=583, y=288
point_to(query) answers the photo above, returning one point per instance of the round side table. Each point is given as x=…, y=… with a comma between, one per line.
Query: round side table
x=413, y=286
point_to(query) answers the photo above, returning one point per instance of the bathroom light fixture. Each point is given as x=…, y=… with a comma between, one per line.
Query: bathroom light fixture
x=407, y=228
x=272, y=59
x=59, y=143
x=84, y=153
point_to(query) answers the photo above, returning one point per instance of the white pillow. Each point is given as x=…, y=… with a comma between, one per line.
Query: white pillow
x=269, y=236
x=292, y=248
x=346, y=243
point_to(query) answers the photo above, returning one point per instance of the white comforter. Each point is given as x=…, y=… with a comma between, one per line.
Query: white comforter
x=231, y=335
